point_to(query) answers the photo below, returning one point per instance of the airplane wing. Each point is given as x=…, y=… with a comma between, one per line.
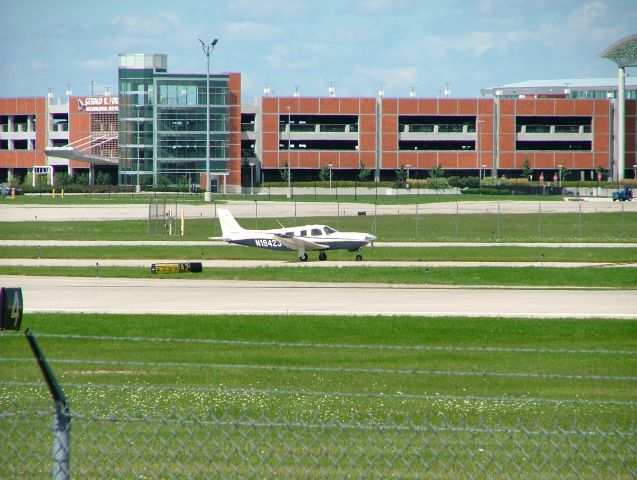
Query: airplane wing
x=298, y=243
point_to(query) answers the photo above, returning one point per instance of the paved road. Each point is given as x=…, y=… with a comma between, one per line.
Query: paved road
x=246, y=209
x=165, y=295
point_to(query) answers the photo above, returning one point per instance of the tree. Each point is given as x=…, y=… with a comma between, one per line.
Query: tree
x=364, y=173
x=602, y=171
x=103, y=178
x=527, y=171
x=182, y=183
x=436, y=172
x=324, y=174
x=285, y=172
x=62, y=179
x=401, y=176
x=564, y=173
x=81, y=178
x=163, y=181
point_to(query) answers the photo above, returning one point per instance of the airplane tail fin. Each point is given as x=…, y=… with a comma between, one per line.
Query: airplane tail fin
x=228, y=224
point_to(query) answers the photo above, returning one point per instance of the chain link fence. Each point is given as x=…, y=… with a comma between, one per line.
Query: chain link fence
x=276, y=409
x=247, y=445
x=484, y=221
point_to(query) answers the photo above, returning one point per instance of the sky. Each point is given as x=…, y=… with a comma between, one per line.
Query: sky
x=355, y=45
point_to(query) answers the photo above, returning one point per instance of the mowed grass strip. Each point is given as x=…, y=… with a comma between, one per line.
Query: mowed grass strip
x=553, y=227
x=415, y=254
x=332, y=375
x=580, y=277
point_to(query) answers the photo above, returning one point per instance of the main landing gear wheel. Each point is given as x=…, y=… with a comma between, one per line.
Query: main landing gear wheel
x=303, y=257
x=359, y=257
x=322, y=256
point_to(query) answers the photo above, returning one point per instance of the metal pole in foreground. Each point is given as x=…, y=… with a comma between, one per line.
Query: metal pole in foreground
x=62, y=419
x=207, y=50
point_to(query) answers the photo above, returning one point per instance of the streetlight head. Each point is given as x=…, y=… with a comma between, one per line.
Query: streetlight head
x=214, y=42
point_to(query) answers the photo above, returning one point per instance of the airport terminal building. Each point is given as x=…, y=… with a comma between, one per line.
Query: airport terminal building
x=154, y=131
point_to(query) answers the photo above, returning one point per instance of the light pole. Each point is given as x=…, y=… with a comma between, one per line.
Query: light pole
x=484, y=171
x=560, y=174
x=207, y=50
x=289, y=168
x=407, y=181
x=635, y=171
x=479, y=147
x=329, y=165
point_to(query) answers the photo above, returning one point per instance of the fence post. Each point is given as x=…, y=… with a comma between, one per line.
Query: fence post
x=62, y=419
x=61, y=441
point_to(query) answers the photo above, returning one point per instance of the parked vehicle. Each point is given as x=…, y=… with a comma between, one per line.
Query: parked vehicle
x=8, y=190
x=626, y=194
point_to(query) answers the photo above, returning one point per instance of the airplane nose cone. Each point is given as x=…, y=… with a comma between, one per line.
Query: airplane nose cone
x=371, y=238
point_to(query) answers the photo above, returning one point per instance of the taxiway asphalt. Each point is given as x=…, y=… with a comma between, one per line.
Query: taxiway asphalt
x=182, y=296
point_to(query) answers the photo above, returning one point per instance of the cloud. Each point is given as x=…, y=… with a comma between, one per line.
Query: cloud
x=272, y=9
x=397, y=77
x=383, y=6
x=97, y=64
x=252, y=31
x=284, y=57
x=38, y=66
x=156, y=25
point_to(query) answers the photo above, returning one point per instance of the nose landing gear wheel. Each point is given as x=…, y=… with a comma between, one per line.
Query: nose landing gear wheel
x=359, y=257
x=322, y=256
x=303, y=257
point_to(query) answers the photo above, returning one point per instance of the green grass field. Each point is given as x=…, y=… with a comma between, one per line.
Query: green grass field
x=333, y=397
x=375, y=366
x=580, y=277
x=555, y=227
x=323, y=397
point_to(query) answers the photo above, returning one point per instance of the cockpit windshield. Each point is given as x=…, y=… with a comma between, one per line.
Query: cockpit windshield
x=329, y=230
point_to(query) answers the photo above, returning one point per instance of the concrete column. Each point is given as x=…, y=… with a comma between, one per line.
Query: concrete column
x=621, y=134
x=379, y=138
x=496, y=137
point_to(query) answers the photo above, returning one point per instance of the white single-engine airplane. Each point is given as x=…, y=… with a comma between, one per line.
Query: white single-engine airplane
x=306, y=238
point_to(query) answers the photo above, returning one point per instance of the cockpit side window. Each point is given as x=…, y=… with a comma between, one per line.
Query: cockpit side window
x=317, y=232
x=329, y=230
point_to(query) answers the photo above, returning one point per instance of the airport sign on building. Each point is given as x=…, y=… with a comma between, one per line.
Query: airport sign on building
x=98, y=104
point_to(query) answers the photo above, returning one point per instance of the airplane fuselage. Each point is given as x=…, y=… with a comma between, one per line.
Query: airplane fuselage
x=302, y=239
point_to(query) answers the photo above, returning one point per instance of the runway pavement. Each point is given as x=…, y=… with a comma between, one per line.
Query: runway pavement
x=181, y=296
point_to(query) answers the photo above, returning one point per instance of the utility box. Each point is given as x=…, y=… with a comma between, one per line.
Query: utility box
x=10, y=308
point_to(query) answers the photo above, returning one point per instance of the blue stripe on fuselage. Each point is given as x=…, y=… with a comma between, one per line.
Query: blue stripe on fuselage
x=267, y=243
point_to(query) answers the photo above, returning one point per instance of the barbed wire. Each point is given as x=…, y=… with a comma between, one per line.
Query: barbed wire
x=247, y=343
x=309, y=393
x=388, y=371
